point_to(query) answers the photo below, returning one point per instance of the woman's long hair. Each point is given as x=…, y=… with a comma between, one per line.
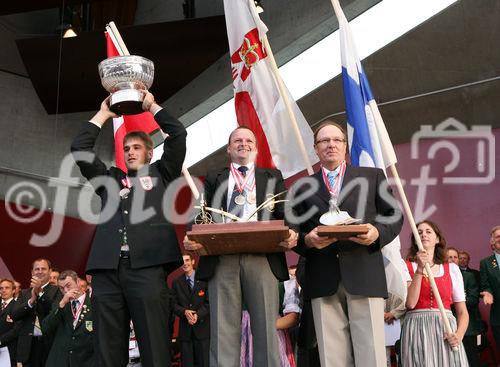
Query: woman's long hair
x=440, y=255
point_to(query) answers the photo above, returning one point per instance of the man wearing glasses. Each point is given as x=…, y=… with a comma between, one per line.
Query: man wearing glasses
x=345, y=277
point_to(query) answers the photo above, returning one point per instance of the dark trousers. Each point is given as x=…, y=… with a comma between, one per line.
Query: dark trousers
x=470, y=346
x=137, y=294
x=308, y=357
x=496, y=334
x=194, y=353
x=38, y=353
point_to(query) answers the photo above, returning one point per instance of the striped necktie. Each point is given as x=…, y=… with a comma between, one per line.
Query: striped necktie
x=332, y=178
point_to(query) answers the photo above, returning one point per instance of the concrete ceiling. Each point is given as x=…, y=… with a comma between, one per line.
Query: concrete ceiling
x=455, y=48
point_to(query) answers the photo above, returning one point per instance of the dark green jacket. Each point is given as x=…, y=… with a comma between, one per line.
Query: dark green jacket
x=490, y=281
x=73, y=347
x=472, y=302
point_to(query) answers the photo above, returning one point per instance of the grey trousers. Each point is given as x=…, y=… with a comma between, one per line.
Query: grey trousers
x=245, y=278
x=350, y=330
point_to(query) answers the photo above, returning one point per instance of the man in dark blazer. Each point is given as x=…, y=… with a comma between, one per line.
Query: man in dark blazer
x=191, y=305
x=490, y=282
x=463, y=263
x=135, y=246
x=31, y=308
x=346, y=274
x=70, y=321
x=9, y=330
x=252, y=277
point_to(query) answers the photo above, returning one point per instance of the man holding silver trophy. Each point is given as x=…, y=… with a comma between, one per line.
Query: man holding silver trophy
x=134, y=247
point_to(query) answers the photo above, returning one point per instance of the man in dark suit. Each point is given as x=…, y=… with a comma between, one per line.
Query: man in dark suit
x=463, y=263
x=17, y=290
x=347, y=274
x=475, y=326
x=9, y=330
x=31, y=308
x=490, y=282
x=191, y=305
x=135, y=247
x=70, y=321
x=239, y=189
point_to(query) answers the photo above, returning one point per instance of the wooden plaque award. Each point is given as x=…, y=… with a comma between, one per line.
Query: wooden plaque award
x=239, y=237
x=342, y=231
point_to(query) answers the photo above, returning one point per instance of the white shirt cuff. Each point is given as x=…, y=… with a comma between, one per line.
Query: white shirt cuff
x=96, y=124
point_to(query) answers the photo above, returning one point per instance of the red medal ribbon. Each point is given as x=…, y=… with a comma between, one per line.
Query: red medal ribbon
x=126, y=182
x=241, y=181
x=77, y=313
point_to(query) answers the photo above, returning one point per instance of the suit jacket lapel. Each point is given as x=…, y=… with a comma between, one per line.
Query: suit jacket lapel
x=494, y=265
x=195, y=287
x=323, y=192
x=185, y=286
x=348, y=177
x=221, y=184
x=7, y=309
x=260, y=188
x=83, y=312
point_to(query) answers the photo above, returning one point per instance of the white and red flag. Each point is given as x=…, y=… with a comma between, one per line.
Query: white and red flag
x=258, y=102
x=124, y=124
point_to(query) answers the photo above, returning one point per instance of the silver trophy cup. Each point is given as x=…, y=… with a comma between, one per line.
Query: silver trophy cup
x=126, y=78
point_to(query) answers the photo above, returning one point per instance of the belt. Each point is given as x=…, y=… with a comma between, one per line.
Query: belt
x=134, y=360
x=125, y=254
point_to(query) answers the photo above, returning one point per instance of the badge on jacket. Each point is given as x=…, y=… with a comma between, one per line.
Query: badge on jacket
x=146, y=182
x=89, y=326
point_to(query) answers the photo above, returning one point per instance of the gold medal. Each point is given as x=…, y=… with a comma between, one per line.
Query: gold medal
x=251, y=199
x=239, y=200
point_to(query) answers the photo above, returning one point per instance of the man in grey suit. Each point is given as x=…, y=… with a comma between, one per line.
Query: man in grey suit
x=345, y=277
x=252, y=277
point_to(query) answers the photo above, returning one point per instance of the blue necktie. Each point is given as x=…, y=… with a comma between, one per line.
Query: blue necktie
x=332, y=178
x=190, y=283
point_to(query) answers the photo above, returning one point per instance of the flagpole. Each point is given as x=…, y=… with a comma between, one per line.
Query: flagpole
x=413, y=225
x=283, y=91
x=414, y=230
x=117, y=40
x=399, y=186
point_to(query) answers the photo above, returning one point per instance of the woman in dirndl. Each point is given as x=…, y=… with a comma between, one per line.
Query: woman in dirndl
x=423, y=338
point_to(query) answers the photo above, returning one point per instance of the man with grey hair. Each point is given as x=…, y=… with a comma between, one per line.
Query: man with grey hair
x=490, y=282
x=345, y=277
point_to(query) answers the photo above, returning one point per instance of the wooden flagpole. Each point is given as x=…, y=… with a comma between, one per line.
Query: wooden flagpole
x=117, y=40
x=282, y=90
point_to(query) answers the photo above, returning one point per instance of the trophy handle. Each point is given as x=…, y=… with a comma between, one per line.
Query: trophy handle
x=267, y=202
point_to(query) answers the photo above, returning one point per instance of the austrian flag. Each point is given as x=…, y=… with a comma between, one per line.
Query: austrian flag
x=258, y=102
